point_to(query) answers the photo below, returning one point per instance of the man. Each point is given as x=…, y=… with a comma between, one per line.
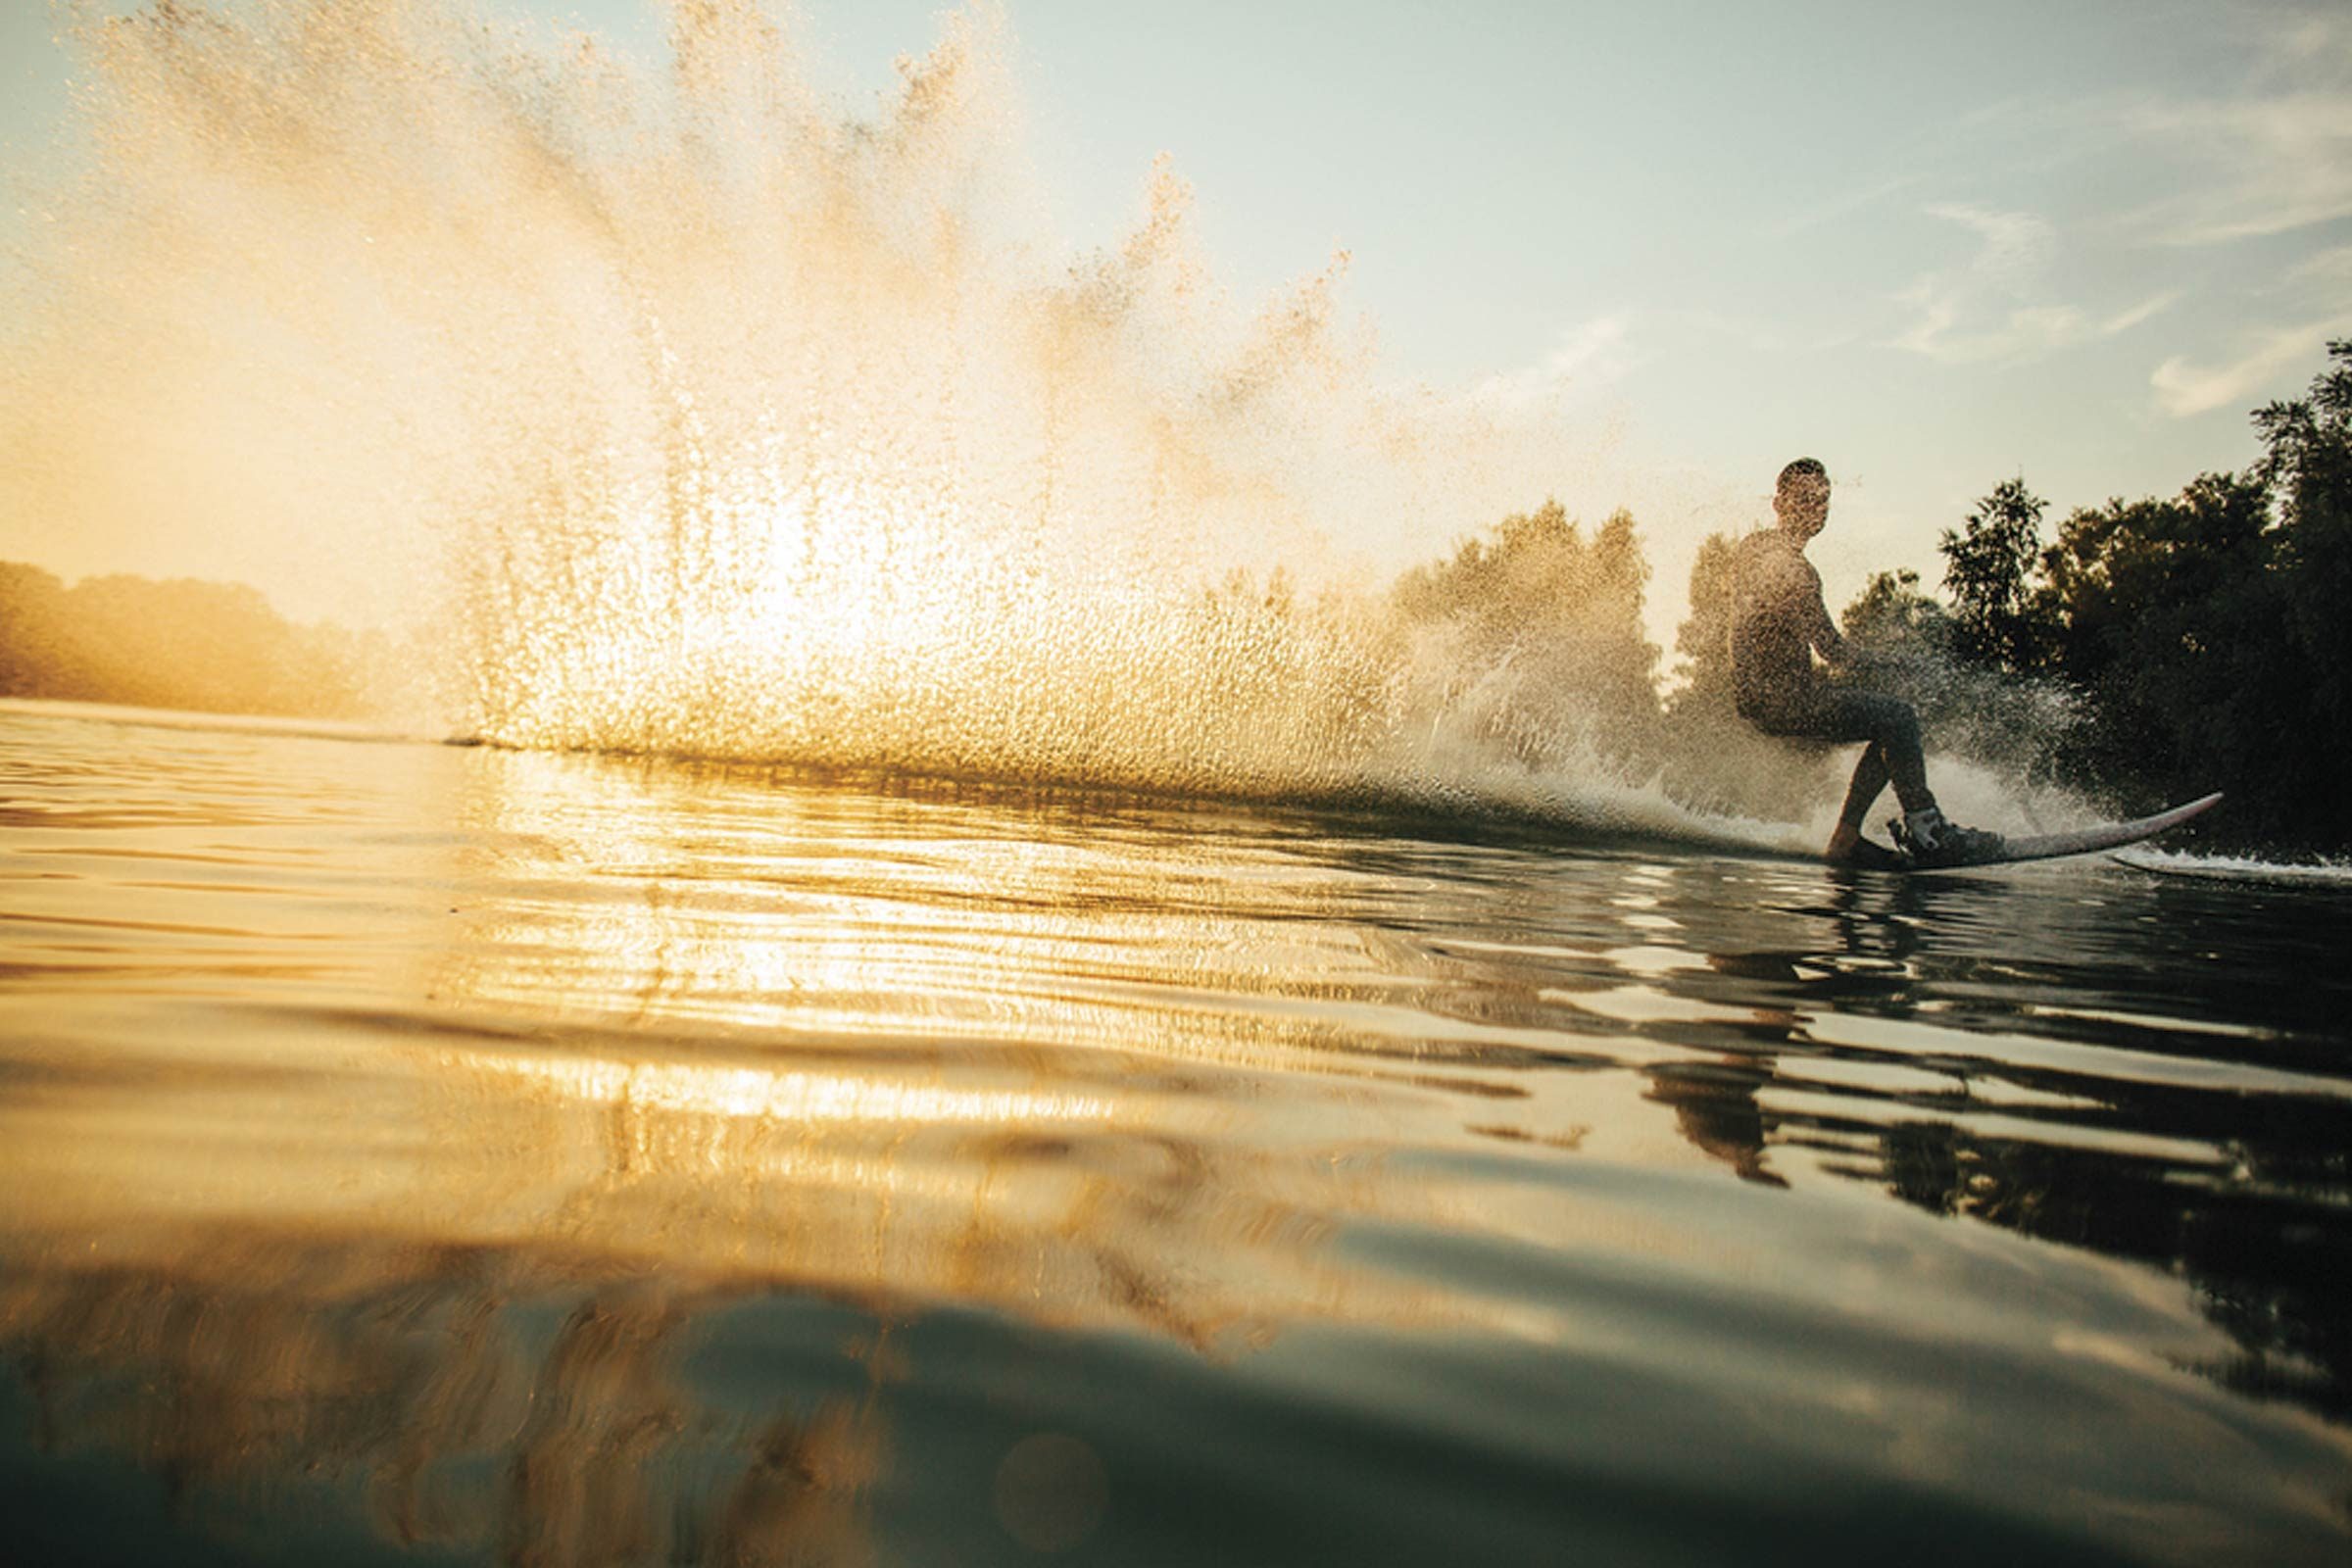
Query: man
x=1777, y=623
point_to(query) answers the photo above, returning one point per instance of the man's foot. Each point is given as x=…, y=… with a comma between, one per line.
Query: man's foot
x=1847, y=847
x=1926, y=839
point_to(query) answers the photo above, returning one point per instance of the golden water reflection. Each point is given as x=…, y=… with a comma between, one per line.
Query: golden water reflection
x=594, y=1160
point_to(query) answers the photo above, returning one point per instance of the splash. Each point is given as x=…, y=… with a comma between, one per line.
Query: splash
x=670, y=408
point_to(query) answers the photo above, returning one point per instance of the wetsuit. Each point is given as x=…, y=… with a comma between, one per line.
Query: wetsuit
x=1779, y=619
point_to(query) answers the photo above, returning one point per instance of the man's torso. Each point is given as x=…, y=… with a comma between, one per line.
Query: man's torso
x=1777, y=603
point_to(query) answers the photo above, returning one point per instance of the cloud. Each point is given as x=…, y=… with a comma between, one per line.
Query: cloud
x=2011, y=248
x=2261, y=166
x=1588, y=357
x=2326, y=267
x=2125, y=320
x=2015, y=245
x=2271, y=154
x=2185, y=389
x=1833, y=208
x=1983, y=311
x=1693, y=325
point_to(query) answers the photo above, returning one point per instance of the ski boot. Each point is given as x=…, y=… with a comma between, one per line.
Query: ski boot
x=1925, y=838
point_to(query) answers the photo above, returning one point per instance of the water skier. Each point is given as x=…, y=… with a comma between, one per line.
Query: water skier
x=1777, y=623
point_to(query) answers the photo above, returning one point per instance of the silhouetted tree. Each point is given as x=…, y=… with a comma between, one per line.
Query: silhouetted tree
x=29, y=627
x=2207, y=631
x=1560, y=614
x=1892, y=618
x=1987, y=567
x=2307, y=467
x=1704, y=639
x=180, y=644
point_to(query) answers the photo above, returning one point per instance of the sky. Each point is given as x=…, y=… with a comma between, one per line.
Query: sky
x=1937, y=247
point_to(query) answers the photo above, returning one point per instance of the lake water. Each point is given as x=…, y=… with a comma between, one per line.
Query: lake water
x=416, y=1153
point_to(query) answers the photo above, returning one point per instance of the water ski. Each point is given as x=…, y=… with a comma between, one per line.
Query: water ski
x=2051, y=846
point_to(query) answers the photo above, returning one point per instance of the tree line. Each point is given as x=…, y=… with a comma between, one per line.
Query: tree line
x=2142, y=652
x=184, y=643
x=2203, y=640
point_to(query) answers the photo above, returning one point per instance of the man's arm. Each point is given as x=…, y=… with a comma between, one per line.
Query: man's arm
x=1821, y=631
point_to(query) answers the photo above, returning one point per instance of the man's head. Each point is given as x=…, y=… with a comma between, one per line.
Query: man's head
x=1801, y=499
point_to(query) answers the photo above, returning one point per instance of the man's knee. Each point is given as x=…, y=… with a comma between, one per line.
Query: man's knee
x=1892, y=723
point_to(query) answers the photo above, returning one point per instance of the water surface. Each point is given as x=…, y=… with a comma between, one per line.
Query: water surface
x=427, y=1155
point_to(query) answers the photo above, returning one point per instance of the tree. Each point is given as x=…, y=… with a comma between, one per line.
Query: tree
x=177, y=644
x=1988, y=569
x=1904, y=642
x=1704, y=638
x=2166, y=614
x=1891, y=618
x=2209, y=630
x=1547, y=626
x=2307, y=468
x=30, y=629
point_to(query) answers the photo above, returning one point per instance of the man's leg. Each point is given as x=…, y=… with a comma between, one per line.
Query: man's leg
x=1895, y=731
x=1870, y=778
x=1893, y=754
x=1923, y=835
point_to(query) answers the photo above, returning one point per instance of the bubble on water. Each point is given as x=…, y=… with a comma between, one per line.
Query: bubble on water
x=1052, y=1492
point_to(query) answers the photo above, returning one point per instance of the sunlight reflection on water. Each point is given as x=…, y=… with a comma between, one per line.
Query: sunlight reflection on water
x=564, y=1159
